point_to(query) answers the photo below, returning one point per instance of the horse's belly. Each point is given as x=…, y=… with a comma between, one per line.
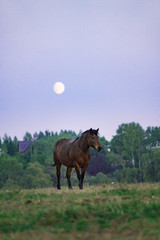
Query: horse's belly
x=66, y=161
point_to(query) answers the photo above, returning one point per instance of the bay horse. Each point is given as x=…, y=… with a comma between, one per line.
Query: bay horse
x=75, y=154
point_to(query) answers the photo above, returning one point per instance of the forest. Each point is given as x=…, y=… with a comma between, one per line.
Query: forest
x=132, y=156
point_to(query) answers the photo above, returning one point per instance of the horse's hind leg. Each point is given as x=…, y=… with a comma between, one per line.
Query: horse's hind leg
x=58, y=167
x=68, y=175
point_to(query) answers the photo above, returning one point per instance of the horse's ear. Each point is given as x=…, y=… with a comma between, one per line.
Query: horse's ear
x=90, y=130
x=97, y=130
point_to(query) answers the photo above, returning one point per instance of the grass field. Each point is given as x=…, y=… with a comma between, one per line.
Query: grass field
x=97, y=212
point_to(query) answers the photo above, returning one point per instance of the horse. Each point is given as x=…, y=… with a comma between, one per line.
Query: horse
x=75, y=154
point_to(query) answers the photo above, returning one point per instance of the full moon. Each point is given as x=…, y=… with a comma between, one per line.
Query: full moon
x=58, y=87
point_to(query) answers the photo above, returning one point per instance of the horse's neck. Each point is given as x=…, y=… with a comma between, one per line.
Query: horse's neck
x=83, y=143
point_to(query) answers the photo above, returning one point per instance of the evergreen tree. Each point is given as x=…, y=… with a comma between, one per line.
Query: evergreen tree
x=27, y=136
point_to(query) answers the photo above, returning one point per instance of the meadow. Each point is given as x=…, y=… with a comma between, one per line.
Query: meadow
x=115, y=211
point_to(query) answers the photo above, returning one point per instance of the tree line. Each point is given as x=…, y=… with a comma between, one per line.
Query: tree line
x=133, y=156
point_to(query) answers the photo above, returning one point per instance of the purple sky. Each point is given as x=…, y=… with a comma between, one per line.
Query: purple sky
x=106, y=52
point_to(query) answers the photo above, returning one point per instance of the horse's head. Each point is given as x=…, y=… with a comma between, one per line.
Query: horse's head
x=93, y=139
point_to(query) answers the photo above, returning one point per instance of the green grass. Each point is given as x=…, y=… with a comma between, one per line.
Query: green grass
x=97, y=212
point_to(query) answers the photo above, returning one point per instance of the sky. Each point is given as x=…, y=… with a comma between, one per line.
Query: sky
x=106, y=53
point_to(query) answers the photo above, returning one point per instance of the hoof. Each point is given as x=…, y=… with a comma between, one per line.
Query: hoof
x=80, y=186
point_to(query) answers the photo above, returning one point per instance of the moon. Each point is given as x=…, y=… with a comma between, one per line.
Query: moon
x=58, y=87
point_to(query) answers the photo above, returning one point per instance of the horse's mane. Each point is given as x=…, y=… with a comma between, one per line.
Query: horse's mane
x=76, y=139
x=92, y=131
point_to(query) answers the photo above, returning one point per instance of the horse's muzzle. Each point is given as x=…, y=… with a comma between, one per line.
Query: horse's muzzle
x=99, y=148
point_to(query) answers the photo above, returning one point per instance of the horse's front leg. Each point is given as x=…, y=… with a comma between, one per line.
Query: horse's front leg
x=68, y=175
x=82, y=176
x=77, y=167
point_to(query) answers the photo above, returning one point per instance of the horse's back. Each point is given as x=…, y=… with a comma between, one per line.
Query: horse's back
x=62, y=141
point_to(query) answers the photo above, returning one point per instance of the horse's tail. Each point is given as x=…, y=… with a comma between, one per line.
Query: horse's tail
x=52, y=165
